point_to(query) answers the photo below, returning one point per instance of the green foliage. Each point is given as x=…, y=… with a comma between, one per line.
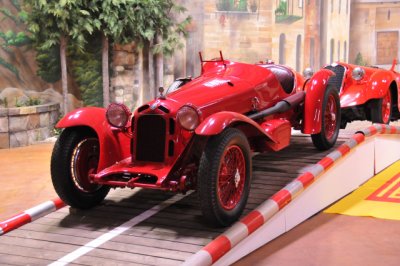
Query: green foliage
x=11, y=38
x=86, y=70
x=10, y=67
x=232, y=5
x=16, y=4
x=287, y=19
x=17, y=39
x=7, y=14
x=23, y=16
x=49, y=67
x=30, y=102
x=121, y=21
x=360, y=60
x=141, y=21
x=4, y=102
x=49, y=21
x=282, y=8
x=57, y=131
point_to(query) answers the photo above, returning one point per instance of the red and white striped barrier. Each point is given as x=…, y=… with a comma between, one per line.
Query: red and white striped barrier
x=258, y=217
x=30, y=215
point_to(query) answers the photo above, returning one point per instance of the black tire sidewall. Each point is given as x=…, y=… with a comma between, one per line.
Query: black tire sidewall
x=61, y=172
x=376, y=110
x=320, y=141
x=209, y=172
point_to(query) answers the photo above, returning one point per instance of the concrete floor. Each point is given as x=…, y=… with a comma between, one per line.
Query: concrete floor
x=330, y=239
x=325, y=239
x=24, y=178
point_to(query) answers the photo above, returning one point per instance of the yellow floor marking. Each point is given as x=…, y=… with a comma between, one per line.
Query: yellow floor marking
x=379, y=197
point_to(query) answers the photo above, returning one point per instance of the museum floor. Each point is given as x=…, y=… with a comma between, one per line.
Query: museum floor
x=325, y=239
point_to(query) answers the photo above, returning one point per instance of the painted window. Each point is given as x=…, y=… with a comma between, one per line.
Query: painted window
x=387, y=47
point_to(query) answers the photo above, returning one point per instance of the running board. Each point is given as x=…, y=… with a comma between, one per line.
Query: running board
x=357, y=160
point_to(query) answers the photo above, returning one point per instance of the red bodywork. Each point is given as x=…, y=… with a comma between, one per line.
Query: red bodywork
x=155, y=151
x=356, y=96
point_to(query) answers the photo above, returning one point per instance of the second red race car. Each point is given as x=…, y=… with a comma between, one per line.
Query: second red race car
x=366, y=93
x=198, y=135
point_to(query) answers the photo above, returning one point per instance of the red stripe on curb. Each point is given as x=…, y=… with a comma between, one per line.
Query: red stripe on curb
x=218, y=247
x=359, y=137
x=343, y=149
x=326, y=163
x=282, y=198
x=253, y=221
x=373, y=130
x=23, y=218
x=383, y=130
x=15, y=222
x=306, y=179
x=58, y=203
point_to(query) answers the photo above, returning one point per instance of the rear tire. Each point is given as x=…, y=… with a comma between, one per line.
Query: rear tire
x=224, y=177
x=381, y=109
x=75, y=156
x=330, y=121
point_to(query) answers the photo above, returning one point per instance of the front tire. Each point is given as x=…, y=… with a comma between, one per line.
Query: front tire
x=381, y=109
x=330, y=121
x=75, y=156
x=224, y=177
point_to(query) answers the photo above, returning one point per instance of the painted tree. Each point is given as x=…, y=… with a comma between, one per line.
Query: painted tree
x=140, y=21
x=55, y=23
x=10, y=38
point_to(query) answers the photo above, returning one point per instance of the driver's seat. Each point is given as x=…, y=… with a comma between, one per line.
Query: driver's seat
x=284, y=75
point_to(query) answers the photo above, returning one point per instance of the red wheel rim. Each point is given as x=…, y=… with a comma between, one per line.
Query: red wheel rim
x=231, y=179
x=85, y=159
x=386, y=107
x=330, y=117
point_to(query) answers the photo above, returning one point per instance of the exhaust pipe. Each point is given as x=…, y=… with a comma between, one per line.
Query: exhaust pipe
x=281, y=106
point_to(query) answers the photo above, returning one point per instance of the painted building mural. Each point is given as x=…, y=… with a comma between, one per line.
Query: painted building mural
x=297, y=33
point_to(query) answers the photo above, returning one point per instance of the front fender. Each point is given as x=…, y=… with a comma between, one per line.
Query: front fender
x=379, y=84
x=361, y=92
x=114, y=145
x=216, y=123
x=315, y=90
x=93, y=117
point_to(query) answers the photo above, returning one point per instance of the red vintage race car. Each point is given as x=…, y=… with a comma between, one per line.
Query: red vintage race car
x=198, y=135
x=366, y=93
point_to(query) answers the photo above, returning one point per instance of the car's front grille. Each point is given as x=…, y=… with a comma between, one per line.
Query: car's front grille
x=337, y=80
x=150, y=138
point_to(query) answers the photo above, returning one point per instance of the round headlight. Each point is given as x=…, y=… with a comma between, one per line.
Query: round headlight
x=358, y=73
x=308, y=72
x=188, y=118
x=118, y=115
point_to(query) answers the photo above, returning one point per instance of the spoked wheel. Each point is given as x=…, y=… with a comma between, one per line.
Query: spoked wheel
x=330, y=120
x=231, y=178
x=224, y=177
x=76, y=156
x=381, y=109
